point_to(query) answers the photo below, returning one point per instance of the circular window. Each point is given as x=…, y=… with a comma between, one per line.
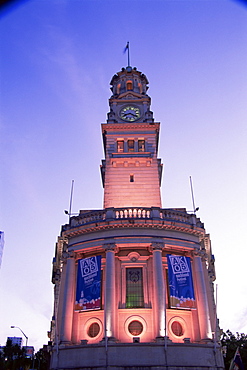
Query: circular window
x=93, y=330
x=177, y=329
x=135, y=328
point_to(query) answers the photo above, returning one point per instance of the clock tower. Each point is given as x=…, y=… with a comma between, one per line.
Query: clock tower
x=133, y=282
x=131, y=171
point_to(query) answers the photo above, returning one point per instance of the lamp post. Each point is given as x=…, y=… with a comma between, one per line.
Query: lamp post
x=12, y=326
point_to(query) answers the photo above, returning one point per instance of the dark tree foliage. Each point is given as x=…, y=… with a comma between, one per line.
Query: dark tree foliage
x=14, y=357
x=230, y=342
x=42, y=359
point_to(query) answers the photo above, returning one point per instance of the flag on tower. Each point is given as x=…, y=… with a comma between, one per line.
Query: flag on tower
x=126, y=47
x=236, y=363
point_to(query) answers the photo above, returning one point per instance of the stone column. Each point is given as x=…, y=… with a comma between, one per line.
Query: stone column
x=109, y=298
x=159, y=289
x=202, y=300
x=68, y=299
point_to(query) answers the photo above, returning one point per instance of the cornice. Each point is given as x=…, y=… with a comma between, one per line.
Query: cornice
x=82, y=230
x=125, y=97
x=129, y=126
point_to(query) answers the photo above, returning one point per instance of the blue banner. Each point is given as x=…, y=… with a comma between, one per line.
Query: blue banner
x=88, y=290
x=180, y=282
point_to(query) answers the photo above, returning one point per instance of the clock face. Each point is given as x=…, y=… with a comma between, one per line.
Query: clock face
x=130, y=113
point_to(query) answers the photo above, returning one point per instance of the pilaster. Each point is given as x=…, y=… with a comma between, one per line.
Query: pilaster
x=202, y=300
x=159, y=289
x=109, y=299
x=68, y=298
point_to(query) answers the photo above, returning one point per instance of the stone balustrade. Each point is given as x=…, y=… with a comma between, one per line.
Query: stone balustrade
x=141, y=213
x=132, y=213
x=170, y=214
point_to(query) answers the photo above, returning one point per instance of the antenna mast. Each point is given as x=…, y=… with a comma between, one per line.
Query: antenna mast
x=71, y=197
x=192, y=195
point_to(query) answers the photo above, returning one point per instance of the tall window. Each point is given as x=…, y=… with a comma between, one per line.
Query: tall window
x=129, y=85
x=131, y=146
x=141, y=145
x=134, y=288
x=118, y=88
x=120, y=146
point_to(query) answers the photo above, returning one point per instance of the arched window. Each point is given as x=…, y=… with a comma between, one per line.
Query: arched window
x=118, y=88
x=131, y=145
x=141, y=145
x=140, y=87
x=120, y=146
x=129, y=85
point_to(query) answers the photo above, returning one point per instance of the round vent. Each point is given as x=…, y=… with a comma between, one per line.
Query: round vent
x=93, y=330
x=135, y=328
x=177, y=329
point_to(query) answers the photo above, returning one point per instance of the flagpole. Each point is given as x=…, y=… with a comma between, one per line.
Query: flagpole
x=215, y=324
x=71, y=197
x=165, y=343
x=128, y=53
x=216, y=304
x=127, y=48
x=192, y=195
x=236, y=362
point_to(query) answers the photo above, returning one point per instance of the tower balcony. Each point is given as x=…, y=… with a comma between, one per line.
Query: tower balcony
x=136, y=217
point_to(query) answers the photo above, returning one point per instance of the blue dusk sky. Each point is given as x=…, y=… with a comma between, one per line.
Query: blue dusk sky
x=57, y=59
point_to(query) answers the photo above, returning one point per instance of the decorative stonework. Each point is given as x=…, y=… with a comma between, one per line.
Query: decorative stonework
x=130, y=126
x=79, y=256
x=110, y=247
x=137, y=223
x=158, y=246
x=201, y=253
x=67, y=255
x=133, y=256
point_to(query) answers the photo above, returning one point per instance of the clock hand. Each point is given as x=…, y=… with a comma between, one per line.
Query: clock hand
x=132, y=114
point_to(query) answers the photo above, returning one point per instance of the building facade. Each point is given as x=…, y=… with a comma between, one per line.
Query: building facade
x=15, y=340
x=133, y=282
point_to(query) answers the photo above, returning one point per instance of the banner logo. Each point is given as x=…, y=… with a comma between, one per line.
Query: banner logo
x=179, y=264
x=88, y=266
x=88, y=290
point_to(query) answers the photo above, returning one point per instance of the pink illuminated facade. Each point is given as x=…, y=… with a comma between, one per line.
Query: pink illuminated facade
x=133, y=282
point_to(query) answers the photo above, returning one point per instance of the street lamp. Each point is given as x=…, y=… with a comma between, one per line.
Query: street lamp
x=12, y=326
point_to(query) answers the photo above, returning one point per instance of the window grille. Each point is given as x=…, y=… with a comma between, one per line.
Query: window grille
x=141, y=145
x=134, y=288
x=177, y=329
x=93, y=330
x=120, y=146
x=135, y=328
x=131, y=146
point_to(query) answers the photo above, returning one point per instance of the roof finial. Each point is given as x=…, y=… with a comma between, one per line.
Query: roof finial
x=127, y=48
